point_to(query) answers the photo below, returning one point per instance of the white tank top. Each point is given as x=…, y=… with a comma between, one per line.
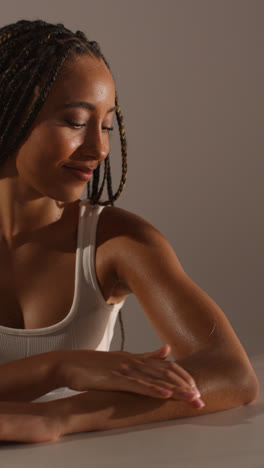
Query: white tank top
x=90, y=321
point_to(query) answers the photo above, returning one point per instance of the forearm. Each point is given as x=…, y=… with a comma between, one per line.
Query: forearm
x=99, y=410
x=222, y=386
x=92, y=411
x=29, y=378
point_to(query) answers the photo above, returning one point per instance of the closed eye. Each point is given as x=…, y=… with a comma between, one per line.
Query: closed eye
x=77, y=125
x=74, y=124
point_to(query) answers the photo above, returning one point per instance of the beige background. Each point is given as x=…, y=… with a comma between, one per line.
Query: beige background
x=189, y=75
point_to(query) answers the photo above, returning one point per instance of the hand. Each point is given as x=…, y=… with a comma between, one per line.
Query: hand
x=147, y=374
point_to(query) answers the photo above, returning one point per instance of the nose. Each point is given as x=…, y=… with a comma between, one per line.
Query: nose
x=95, y=145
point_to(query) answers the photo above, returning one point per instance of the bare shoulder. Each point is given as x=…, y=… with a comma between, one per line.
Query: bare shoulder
x=118, y=223
x=130, y=245
x=118, y=233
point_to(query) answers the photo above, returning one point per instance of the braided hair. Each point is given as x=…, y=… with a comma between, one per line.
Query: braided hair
x=31, y=56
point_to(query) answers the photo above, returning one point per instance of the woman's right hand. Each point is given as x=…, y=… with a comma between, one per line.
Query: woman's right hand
x=146, y=374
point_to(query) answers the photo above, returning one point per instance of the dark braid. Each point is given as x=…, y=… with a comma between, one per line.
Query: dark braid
x=31, y=55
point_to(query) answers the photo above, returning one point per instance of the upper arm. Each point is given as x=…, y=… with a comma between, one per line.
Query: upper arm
x=180, y=312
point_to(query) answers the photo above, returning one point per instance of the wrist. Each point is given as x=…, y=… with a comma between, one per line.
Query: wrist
x=70, y=367
x=60, y=368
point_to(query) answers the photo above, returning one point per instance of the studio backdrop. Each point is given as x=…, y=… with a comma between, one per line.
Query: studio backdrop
x=189, y=75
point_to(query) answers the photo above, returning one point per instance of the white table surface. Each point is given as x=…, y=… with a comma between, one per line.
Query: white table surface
x=232, y=438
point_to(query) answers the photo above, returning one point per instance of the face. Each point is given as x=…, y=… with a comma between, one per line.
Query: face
x=72, y=128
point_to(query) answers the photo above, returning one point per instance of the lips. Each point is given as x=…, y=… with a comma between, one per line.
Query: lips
x=82, y=168
x=84, y=174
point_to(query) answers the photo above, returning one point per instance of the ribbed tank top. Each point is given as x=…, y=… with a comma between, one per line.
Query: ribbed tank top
x=90, y=321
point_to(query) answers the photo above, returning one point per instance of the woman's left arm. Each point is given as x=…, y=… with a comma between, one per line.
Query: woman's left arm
x=182, y=314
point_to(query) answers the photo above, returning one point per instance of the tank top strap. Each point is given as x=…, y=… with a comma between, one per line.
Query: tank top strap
x=91, y=214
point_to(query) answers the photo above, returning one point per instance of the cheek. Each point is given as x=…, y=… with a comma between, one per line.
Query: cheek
x=57, y=143
x=45, y=149
x=52, y=143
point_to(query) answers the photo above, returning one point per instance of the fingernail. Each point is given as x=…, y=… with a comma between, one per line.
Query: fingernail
x=194, y=394
x=198, y=403
x=189, y=394
x=196, y=391
x=166, y=392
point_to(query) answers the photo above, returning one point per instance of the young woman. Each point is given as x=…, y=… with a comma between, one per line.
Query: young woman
x=67, y=265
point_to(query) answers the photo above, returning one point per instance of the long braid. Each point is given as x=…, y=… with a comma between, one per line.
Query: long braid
x=32, y=54
x=109, y=182
x=34, y=109
x=107, y=175
x=99, y=193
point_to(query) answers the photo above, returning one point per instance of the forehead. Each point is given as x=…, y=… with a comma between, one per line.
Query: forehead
x=83, y=77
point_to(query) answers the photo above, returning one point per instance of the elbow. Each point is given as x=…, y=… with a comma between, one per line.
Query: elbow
x=249, y=387
x=252, y=390
x=237, y=386
x=242, y=382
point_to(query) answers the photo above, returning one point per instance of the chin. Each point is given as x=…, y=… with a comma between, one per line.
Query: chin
x=66, y=197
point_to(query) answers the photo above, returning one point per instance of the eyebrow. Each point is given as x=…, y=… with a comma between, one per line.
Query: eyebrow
x=84, y=105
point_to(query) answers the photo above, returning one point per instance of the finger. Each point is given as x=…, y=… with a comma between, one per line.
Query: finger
x=160, y=353
x=184, y=374
x=158, y=390
x=167, y=370
x=178, y=393
x=154, y=372
x=155, y=375
x=165, y=351
x=181, y=372
x=142, y=387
